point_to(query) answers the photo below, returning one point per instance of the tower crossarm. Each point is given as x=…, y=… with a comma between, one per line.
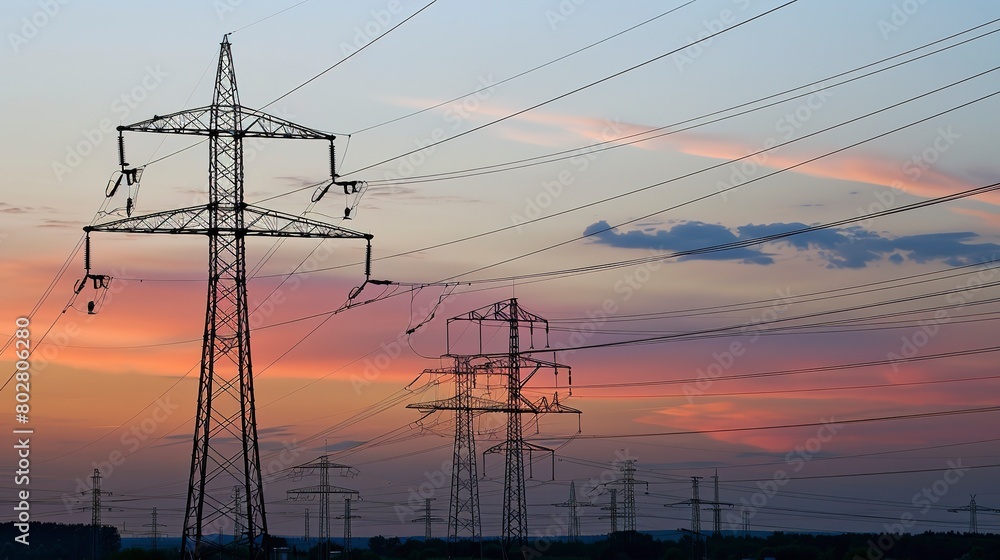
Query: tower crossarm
x=252, y=124
x=196, y=220
x=303, y=493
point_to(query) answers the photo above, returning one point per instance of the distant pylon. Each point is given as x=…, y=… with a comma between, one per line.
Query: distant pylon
x=154, y=529
x=573, y=504
x=238, y=518
x=306, y=535
x=324, y=491
x=973, y=508
x=95, y=512
x=716, y=508
x=697, y=504
x=347, y=517
x=628, y=486
x=746, y=524
x=427, y=518
x=463, y=508
x=613, y=511
x=508, y=366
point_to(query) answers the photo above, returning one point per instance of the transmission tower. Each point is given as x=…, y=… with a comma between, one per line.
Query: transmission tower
x=154, y=529
x=95, y=512
x=306, y=535
x=508, y=365
x=974, y=508
x=347, y=517
x=238, y=525
x=612, y=508
x=324, y=491
x=746, y=523
x=697, y=504
x=628, y=482
x=427, y=518
x=574, y=515
x=463, y=510
x=225, y=448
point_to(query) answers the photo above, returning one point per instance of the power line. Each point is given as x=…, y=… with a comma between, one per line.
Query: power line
x=571, y=92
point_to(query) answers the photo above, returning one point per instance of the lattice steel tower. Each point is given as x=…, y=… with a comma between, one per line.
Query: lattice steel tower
x=516, y=369
x=225, y=451
x=463, y=511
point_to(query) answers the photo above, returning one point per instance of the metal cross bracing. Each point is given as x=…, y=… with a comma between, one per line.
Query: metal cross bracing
x=225, y=444
x=973, y=508
x=697, y=504
x=515, y=368
x=324, y=491
x=574, y=506
x=463, y=511
x=427, y=519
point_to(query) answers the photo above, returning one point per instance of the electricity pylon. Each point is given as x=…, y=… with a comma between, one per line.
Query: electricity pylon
x=628, y=482
x=463, y=511
x=509, y=366
x=697, y=504
x=612, y=508
x=154, y=529
x=574, y=515
x=974, y=508
x=225, y=448
x=427, y=519
x=95, y=509
x=323, y=491
x=347, y=517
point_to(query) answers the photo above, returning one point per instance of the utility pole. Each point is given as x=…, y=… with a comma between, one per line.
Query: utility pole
x=154, y=529
x=323, y=492
x=225, y=443
x=974, y=508
x=95, y=512
x=516, y=369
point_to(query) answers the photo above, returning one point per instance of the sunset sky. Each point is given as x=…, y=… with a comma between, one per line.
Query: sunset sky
x=577, y=148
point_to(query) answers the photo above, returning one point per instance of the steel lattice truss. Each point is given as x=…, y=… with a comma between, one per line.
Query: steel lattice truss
x=225, y=449
x=516, y=369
